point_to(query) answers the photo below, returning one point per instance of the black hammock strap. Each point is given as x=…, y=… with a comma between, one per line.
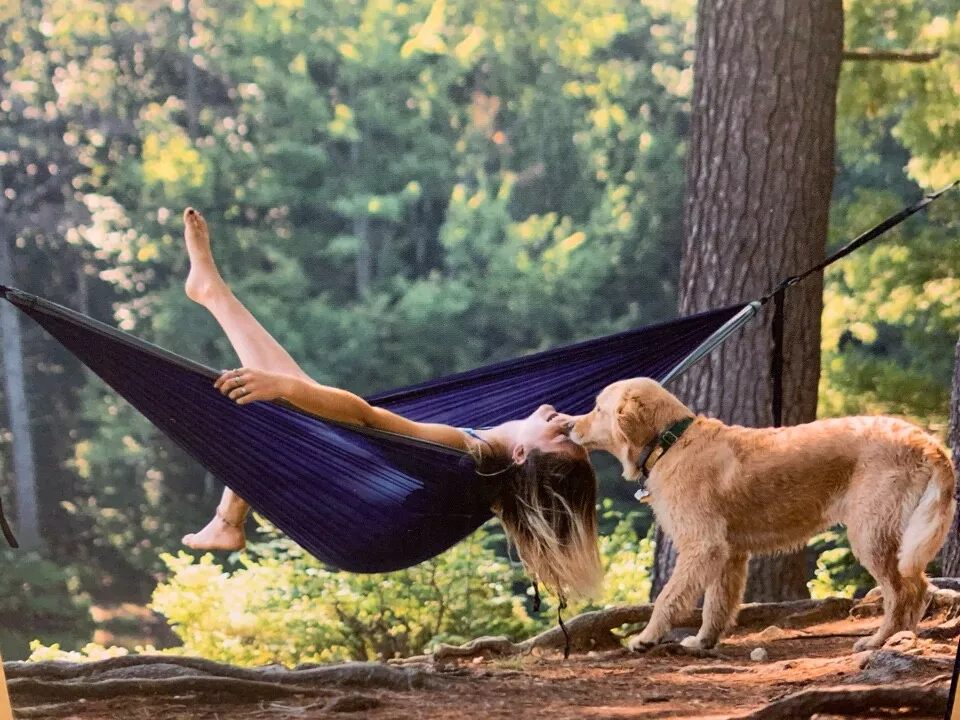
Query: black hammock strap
x=778, y=294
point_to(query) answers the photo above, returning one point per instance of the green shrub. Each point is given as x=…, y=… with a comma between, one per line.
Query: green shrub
x=627, y=559
x=39, y=600
x=282, y=606
x=838, y=573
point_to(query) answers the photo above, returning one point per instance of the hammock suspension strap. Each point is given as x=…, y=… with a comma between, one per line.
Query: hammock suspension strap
x=778, y=295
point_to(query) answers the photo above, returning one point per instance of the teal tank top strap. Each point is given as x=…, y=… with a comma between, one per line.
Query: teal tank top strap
x=473, y=433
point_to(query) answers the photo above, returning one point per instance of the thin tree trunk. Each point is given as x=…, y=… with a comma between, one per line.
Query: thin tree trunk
x=361, y=231
x=193, y=99
x=83, y=287
x=759, y=180
x=951, y=550
x=28, y=520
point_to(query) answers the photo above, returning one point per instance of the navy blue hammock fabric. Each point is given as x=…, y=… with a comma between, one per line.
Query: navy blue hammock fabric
x=358, y=499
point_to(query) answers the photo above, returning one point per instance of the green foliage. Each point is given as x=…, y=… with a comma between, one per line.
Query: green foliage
x=891, y=315
x=838, y=574
x=627, y=559
x=91, y=652
x=281, y=605
x=891, y=318
x=38, y=599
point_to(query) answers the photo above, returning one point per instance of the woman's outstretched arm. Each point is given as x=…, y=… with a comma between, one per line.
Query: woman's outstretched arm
x=247, y=385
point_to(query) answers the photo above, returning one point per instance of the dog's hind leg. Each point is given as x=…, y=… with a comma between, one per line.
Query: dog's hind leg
x=904, y=600
x=896, y=552
x=904, y=596
x=721, y=602
x=695, y=570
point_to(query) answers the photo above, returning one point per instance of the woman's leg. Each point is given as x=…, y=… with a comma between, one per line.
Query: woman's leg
x=255, y=347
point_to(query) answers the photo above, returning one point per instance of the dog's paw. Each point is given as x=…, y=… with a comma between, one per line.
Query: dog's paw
x=639, y=645
x=693, y=642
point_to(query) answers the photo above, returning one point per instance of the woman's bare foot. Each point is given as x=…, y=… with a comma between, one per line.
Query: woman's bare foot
x=204, y=281
x=217, y=535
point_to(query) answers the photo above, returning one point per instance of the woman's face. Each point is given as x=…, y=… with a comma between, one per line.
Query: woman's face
x=546, y=430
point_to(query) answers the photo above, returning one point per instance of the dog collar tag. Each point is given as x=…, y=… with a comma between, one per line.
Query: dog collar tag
x=643, y=495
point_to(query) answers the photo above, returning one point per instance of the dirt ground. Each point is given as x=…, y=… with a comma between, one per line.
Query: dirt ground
x=615, y=684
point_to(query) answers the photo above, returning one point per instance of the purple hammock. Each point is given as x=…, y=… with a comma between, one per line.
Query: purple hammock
x=359, y=499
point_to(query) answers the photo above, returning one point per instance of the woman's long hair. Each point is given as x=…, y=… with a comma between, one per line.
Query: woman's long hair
x=548, y=507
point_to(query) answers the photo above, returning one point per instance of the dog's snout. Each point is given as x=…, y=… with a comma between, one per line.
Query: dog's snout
x=570, y=429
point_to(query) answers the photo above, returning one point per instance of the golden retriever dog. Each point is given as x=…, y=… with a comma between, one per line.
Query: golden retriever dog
x=725, y=492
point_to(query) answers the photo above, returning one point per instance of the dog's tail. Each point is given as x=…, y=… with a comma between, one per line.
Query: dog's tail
x=928, y=524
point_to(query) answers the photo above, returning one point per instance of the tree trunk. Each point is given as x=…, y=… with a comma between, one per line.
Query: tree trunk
x=951, y=550
x=759, y=180
x=28, y=521
x=361, y=231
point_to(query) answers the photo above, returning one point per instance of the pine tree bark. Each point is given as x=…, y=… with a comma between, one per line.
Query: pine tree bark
x=951, y=549
x=759, y=180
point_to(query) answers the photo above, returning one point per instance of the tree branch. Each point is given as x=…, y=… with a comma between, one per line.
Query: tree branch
x=856, y=701
x=907, y=56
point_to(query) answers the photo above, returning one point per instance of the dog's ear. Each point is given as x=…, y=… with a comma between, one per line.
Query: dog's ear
x=626, y=430
x=627, y=419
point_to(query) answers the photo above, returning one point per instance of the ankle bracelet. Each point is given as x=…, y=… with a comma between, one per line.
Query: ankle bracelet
x=238, y=525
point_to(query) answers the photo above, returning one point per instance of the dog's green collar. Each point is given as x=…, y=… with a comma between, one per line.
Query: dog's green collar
x=663, y=442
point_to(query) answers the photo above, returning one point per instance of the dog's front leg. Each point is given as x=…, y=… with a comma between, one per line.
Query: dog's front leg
x=695, y=568
x=721, y=602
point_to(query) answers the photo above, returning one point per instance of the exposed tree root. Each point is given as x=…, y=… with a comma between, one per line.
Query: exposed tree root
x=943, y=631
x=714, y=669
x=887, y=666
x=595, y=630
x=211, y=688
x=352, y=704
x=946, y=583
x=52, y=711
x=795, y=613
x=170, y=667
x=945, y=602
x=918, y=700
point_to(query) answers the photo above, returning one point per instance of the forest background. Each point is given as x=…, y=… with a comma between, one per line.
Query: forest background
x=399, y=190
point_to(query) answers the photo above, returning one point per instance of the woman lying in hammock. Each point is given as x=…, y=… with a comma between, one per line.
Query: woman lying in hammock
x=546, y=496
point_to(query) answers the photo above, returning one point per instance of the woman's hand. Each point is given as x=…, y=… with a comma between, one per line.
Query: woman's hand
x=245, y=385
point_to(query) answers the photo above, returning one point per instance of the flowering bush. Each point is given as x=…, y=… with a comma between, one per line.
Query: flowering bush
x=280, y=605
